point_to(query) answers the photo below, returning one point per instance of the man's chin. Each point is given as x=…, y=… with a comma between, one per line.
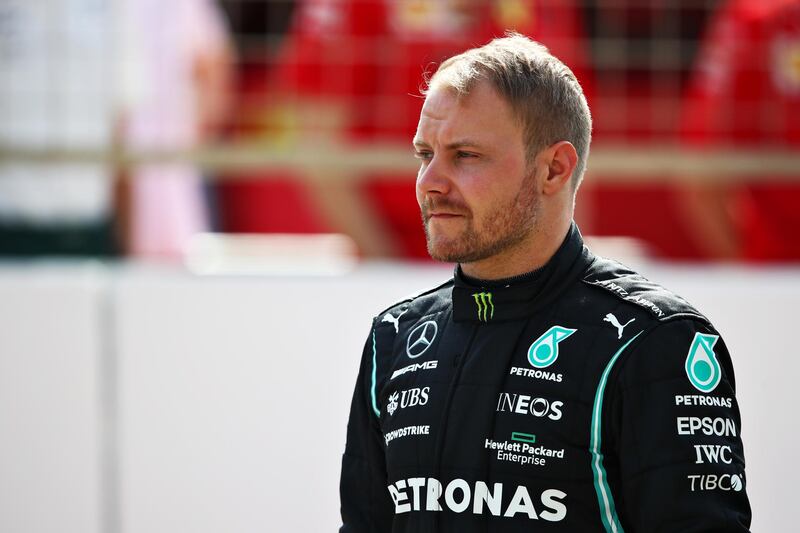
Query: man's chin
x=447, y=251
x=440, y=250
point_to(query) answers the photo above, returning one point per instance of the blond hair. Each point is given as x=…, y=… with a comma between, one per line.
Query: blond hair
x=542, y=91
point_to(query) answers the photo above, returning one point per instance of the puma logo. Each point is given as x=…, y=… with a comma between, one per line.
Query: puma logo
x=614, y=322
x=396, y=321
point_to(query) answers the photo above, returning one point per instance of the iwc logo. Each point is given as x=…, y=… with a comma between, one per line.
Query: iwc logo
x=544, y=350
x=421, y=338
x=702, y=366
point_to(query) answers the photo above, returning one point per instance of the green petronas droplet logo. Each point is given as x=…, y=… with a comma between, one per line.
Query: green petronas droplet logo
x=544, y=350
x=702, y=366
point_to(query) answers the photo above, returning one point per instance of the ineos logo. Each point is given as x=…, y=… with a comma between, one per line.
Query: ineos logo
x=421, y=338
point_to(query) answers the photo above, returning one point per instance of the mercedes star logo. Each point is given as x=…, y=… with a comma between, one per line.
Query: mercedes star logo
x=421, y=338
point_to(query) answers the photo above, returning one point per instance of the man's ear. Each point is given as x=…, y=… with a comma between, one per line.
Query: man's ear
x=561, y=159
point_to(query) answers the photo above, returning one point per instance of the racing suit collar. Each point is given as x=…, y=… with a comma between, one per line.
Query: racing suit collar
x=509, y=299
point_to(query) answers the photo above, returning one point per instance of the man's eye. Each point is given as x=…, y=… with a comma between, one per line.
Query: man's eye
x=423, y=155
x=465, y=155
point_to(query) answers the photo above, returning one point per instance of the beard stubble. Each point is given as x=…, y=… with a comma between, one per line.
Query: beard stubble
x=504, y=227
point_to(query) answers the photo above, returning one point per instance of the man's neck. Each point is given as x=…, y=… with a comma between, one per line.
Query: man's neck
x=531, y=254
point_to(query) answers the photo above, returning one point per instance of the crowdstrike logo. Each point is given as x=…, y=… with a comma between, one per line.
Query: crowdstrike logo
x=485, y=305
x=425, y=494
x=544, y=350
x=407, y=431
x=421, y=338
x=702, y=366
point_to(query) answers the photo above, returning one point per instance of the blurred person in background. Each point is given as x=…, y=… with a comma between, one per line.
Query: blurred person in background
x=84, y=74
x=542, y=387
x=177, y=65
x=347, y=72
x=643, y=53
x=746, y=95
x=56, y=93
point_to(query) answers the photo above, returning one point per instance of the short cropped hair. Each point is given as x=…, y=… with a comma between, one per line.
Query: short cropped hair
x=543, y=92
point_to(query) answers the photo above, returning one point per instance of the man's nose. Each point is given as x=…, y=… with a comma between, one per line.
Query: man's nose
x=433, y=177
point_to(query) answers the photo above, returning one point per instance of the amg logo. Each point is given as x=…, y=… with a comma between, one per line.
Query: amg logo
x=425, y=494
x=427, y=365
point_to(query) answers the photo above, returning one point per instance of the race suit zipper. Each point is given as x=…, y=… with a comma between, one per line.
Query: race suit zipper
x=459, y=364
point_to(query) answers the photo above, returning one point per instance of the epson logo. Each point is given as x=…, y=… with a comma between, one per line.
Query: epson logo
x=425, y=494
x=721, y=427
x=524, y=405
x=427, y=365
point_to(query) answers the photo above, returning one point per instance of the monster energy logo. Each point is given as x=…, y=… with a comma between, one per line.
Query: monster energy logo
x=485, y=306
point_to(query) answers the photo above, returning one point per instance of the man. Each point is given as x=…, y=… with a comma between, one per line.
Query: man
x=543, y=388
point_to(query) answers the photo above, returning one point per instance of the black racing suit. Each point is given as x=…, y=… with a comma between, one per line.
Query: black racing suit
x=579, y=398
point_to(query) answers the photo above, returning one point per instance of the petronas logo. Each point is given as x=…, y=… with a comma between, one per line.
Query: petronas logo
x=485, y=306
x=702, y=366
x=544, y=350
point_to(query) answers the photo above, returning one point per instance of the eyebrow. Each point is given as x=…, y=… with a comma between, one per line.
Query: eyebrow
x=462, y=143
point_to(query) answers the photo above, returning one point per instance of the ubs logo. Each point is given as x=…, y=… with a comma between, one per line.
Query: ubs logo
x=421, y=338
x=407, y=398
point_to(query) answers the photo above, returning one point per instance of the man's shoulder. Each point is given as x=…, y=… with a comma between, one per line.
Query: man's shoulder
x=629, y=286
x=421, y=303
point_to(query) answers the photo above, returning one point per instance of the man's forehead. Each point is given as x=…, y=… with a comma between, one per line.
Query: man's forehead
x=468, y=118
x=439, y=100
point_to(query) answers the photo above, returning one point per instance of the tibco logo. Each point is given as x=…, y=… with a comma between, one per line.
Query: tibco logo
x=524, y=405
x=726, y=482
x=459, y=496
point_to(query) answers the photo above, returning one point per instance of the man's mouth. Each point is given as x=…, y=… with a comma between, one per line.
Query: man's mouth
x=443, y=215
x=442, y=211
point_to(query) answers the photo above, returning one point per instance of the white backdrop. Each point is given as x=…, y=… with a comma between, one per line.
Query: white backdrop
x=152, y=401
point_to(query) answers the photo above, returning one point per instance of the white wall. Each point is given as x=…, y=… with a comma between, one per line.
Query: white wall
x=50, y=349
x=231, y=394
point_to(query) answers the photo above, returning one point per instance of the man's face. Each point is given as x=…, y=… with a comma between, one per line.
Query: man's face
x=477, y=197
